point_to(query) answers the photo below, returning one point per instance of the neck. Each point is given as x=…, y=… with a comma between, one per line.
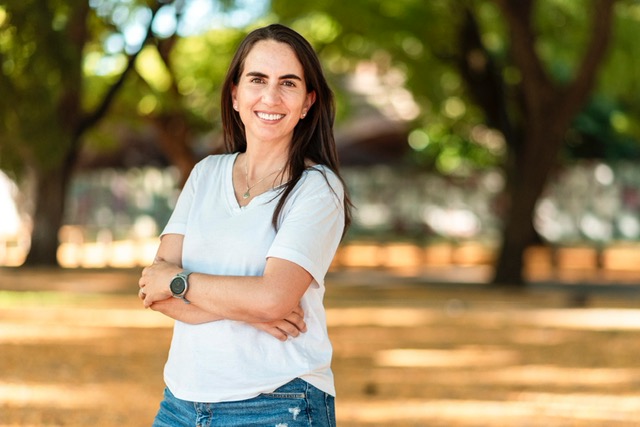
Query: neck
x=259, y=162
x=263, y=181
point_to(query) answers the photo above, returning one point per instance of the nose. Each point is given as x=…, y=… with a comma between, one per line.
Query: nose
x=271, y=94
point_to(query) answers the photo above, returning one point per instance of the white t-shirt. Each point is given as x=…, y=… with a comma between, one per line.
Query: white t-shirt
x=230, y=360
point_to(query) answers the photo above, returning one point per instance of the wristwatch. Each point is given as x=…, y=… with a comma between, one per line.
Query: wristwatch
x=180, y=285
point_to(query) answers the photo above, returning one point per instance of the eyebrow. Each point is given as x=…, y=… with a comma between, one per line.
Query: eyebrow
x=284, y=77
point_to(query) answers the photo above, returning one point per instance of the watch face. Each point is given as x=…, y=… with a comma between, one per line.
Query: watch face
x=177, y=285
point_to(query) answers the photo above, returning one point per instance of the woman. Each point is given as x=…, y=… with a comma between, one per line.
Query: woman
x=241, y=263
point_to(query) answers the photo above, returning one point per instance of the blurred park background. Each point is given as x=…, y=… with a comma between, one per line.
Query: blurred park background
x=497, y=134
x=483, y=142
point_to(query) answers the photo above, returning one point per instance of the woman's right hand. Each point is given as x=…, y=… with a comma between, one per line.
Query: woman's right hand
x=291, y=326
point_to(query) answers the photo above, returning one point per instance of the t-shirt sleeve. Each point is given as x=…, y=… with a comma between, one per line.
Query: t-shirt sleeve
x=311, y=228
x=178, y=221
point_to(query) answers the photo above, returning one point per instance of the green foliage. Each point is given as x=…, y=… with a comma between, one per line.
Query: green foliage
x=601, y=131
x=201, y=63
x=56, y=68
x=416, y=42
x=620, y=74
x=420, y=39
x=563, y=32
x=412, y=41
x=35, y=64
x=608, y=128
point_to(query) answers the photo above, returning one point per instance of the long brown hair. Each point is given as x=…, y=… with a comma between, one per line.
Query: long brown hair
x=313, y=137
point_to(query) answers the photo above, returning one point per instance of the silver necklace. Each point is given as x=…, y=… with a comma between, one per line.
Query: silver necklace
x=247, y=193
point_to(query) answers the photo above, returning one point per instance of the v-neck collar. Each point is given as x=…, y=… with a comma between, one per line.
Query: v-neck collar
x=230, y=191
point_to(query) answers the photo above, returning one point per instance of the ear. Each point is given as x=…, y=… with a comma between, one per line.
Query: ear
x=234, y=100
x=311, y=99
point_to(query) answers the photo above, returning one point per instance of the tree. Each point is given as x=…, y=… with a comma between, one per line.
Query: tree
x=69, y=75
x=465, y=62
x=496, y=52
x=43, y=108
x=547, y=109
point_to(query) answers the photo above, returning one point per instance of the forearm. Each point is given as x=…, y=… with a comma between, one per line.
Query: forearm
x=282, y=329
x=247, y=299
x=272, y=296
x=187, y=313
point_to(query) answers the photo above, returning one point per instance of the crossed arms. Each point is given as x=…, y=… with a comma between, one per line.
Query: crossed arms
x=270, y=302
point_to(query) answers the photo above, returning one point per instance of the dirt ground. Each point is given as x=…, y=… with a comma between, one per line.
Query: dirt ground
x=76, y=349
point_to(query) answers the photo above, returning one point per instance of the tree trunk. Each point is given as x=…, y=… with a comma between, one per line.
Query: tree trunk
x=52, y=181
x=547, y=111
x=50, y=193
x=525, y=186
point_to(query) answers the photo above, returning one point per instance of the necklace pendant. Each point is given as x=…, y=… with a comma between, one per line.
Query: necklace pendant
x=246, y=195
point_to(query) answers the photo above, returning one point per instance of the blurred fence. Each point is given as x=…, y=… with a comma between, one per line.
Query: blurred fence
x=588, y=203
x=113, y=217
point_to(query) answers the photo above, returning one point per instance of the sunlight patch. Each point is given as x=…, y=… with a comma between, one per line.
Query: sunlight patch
x=543, y=407
x=428, y=358
x=45, y=395
x=88, y=317
x=11, y=333
x=378, y=316
x=593, y=319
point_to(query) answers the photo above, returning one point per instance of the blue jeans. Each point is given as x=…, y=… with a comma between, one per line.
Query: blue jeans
x=295, y=404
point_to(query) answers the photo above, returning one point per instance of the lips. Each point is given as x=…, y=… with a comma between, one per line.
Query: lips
x=269, y=117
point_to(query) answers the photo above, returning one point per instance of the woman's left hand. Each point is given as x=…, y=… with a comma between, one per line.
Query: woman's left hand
x=289, y=327
x=154, y=282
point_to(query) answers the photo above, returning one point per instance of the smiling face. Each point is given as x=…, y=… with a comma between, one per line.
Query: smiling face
x=271, y=94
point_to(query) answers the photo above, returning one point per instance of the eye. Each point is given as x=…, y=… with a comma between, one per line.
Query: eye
x=289, y=83
x=256, y=80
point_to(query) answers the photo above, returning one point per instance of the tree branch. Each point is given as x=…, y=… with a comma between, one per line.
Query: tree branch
x=484, y=77
x=92, y=118
x=580, y=88
x=74, y=39
x=536, y=84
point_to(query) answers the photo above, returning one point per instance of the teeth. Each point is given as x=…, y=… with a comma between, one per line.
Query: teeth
x=265, y=116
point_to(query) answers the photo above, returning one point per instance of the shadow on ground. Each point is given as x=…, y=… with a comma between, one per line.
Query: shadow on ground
x=77, y=349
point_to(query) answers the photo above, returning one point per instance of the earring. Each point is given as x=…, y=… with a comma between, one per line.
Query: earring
x=304, y=114
x=235, y=106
